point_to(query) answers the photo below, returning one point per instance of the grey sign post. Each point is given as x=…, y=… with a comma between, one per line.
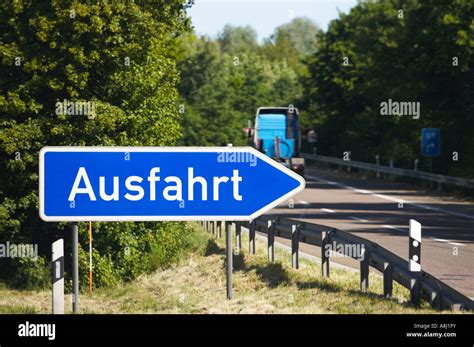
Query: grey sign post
x=228, y=241
x=75, y=268
x=58, y=276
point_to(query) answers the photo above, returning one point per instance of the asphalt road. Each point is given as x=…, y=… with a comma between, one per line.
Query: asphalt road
x=371, y=209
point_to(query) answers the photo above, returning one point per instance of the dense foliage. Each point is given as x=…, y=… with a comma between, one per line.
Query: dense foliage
x=224, y=81
x=118, y=54
x=416, y=51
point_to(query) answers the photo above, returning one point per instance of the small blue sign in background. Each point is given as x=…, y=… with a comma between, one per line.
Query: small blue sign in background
x=430, y=142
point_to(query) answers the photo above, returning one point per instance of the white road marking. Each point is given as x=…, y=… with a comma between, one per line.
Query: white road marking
x=359, y=219
x=394, y=228
x=391, y=198
x=446, y=241
x=302, y=202
x=328, y=210
x=439, y=240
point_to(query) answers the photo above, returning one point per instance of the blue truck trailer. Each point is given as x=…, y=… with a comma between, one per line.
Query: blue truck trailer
x=277, y=134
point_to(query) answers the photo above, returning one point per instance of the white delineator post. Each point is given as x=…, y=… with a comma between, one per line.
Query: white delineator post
x=414, y=253
x=414, y=250
x=58, y=276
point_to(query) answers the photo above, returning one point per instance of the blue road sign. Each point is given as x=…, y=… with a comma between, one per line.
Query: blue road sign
x=430, y=142
x=160, y=183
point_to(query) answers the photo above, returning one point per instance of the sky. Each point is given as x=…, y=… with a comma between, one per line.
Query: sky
x=210, y=16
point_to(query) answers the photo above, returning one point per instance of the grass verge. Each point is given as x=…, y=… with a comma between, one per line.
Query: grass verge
x=196, y=284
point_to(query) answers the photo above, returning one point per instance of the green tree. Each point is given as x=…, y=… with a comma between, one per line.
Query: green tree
x=237, y=39
x=224, y=81
x=399, y=50
x=119, y=55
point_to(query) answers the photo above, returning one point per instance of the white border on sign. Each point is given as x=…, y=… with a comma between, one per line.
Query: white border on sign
x=254, y=215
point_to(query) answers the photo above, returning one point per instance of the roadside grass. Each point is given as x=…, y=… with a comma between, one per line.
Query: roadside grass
x=195, y=283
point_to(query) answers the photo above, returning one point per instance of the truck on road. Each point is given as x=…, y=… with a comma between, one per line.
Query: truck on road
x=277, y=134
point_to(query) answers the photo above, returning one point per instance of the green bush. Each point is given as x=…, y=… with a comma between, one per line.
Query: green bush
x=30, y=273
x=122, y=251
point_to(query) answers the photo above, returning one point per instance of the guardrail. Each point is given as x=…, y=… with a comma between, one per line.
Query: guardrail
x=440, y=179
x=422, y=285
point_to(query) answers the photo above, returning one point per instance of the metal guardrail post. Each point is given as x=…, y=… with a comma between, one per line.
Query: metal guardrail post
x=219, y=229
x=364, y=271
x=387, y=279
x=325, y=256
x=435, y=299
x=213, y=228
x=295, y=241
x=415, y=291
x=377, y=161
x=252, y=237
x=238, y=235
x=271, y=240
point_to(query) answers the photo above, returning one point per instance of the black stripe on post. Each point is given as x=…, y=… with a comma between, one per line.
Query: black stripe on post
x=58, y=270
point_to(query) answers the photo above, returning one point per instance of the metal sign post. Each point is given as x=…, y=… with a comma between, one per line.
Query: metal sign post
x=75, y=267
x=228, y=243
